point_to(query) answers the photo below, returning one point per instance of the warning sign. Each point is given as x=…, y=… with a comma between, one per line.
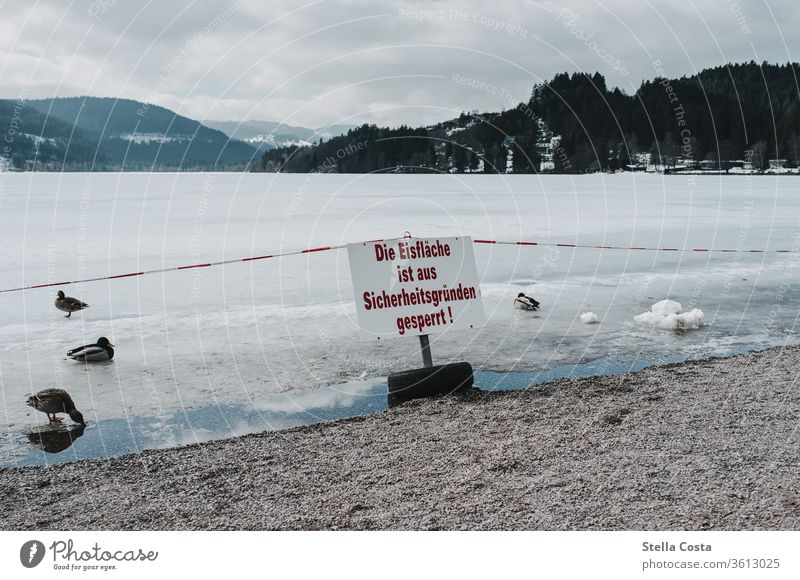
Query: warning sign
x=414, y=286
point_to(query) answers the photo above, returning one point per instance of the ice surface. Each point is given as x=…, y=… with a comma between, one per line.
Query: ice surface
x=245, y=333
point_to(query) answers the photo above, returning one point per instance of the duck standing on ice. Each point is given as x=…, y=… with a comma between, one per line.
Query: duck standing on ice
x=522, y=302
x=68, y=304
x=52, y=401
x=101, y=351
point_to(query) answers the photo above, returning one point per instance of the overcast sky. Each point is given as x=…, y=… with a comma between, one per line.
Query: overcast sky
x=320, y=62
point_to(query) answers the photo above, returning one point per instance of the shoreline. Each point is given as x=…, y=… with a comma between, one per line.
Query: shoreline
x=173, y=171
x=702, y=444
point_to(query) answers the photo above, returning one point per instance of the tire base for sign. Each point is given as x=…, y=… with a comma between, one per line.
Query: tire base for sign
x=430, y=381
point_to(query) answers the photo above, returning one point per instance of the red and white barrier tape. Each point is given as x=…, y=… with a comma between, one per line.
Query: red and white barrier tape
x=176, y=268
x=642, y=248
x=339, y=247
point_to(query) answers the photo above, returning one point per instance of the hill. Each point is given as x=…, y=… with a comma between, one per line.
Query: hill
x=266, y=135
x=738, y=115
x=729, y=118
x=91, y=133
x=32, y=140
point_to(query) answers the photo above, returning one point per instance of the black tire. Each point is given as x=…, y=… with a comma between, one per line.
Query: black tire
x=430, y=381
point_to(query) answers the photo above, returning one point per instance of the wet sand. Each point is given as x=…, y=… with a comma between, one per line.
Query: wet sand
x=699, y=445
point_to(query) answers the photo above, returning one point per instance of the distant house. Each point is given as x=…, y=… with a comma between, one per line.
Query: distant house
x=639, y=162
x=546, y=144
x=508, y=143
x=777, y=163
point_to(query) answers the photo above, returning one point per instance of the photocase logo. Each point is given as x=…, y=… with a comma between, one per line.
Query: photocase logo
x=31, y=553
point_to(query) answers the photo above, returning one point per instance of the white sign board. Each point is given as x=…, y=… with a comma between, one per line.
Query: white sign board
x=414, y=286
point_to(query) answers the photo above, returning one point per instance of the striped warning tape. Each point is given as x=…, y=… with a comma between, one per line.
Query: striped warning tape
x=177, y=268
x=642, y=248
x=326, y=248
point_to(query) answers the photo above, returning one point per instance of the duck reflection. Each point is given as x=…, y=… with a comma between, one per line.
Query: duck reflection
x=56, y=440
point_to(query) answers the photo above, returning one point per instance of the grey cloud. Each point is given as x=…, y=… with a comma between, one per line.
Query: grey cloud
x=223, y=59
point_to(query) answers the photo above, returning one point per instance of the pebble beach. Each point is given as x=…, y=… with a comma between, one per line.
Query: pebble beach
x=702, y=445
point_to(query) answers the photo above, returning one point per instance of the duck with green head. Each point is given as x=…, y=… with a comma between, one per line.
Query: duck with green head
x=101, y=351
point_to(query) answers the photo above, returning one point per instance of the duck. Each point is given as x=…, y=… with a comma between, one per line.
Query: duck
x=522, y=302
x=102, y=350
x=68, y=304
x=53, y=401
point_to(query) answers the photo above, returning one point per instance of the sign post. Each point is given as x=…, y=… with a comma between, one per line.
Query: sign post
x=415, y=287
x=425, y=346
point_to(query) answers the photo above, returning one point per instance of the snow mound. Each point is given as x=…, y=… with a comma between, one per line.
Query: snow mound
x=666, y=307
x=590, y=318
x=669, y=315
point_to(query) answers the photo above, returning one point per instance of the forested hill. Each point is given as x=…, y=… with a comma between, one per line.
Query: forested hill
x=29, y=134
x=92, y=133
x=575, y=123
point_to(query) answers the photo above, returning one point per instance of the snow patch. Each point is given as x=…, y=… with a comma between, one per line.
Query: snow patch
x=666, y=307
x=270, y=140
x=590, y=318
x=669, y=315
x=148, y=138
x=38, y=139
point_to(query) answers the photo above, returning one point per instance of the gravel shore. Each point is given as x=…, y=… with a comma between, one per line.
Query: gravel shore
x=698, y=445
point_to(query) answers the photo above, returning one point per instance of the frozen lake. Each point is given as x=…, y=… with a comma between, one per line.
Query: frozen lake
x=274, y=337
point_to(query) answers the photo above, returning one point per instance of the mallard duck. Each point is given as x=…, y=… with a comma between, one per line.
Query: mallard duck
x=103, y=350
x=522, y=302
x=52, y=401
x=68, y=304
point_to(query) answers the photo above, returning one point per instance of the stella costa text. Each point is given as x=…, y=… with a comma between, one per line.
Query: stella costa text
x=668, y=547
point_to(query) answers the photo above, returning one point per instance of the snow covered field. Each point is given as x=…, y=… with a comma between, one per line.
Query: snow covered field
x=242, y=333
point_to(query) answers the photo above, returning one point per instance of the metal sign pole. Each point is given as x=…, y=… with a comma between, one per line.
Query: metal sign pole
x=425, y=346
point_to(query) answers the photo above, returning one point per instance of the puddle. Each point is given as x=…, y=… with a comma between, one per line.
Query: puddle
x=114, y=437
x=43, y=445
x=517, y=381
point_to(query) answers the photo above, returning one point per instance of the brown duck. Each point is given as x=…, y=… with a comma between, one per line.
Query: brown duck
x=68, y=304
x=52, y=401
